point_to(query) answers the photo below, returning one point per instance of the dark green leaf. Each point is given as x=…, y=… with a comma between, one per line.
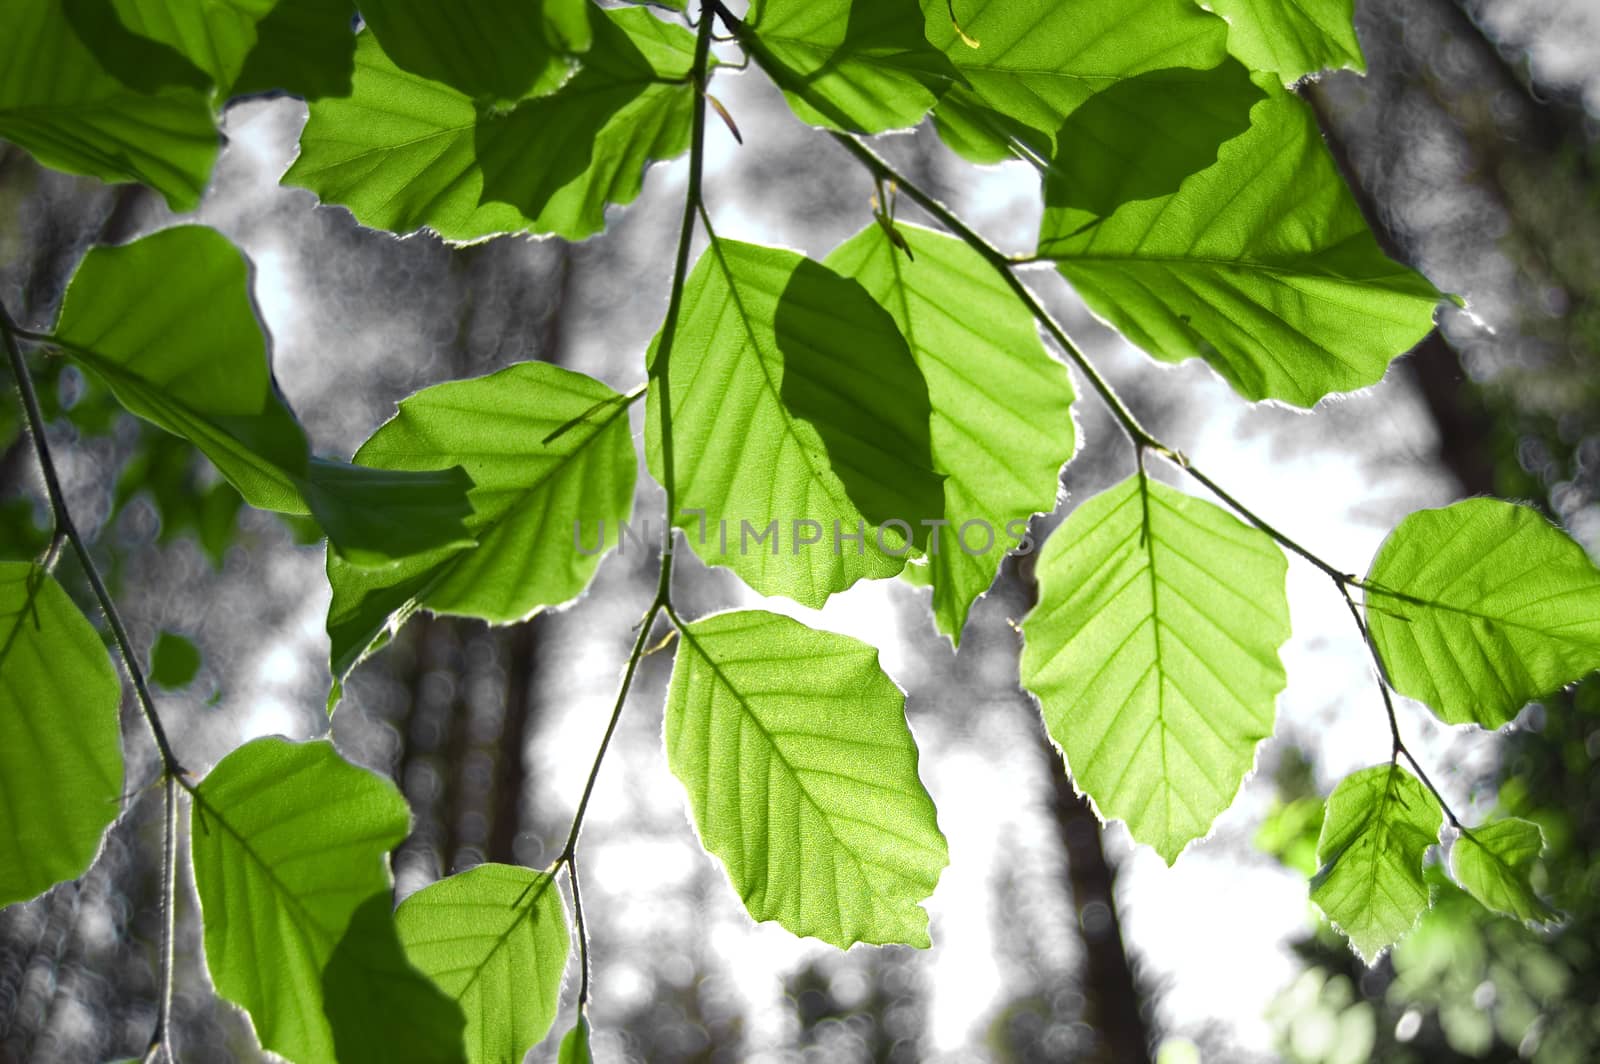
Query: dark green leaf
x=797, y=411
x=1001, y=407
x=495, y=50
x=1153, y=652
x=543, y=513
x=60, y=746
x=304, y=47
x=1494, y=861
x=214, y=35
x=857, y=65
x=1479, y=607
x=168, y=323
x=290, y=845
x=174, y=660
x=1261, y=264
x=1380, y=822
x=61, y=105
x=802, y=775
x=495, y=941
x=1292, y=38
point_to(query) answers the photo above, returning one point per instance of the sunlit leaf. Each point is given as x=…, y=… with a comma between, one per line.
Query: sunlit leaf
x=1380, y=822
x=1292, y=38
x=403, y=152
x=575, y=1044
x=60, y=104
x=802, y=776
x=1153, y=652
x=60, y=746
x=1479, y=607
x=1493, y=863
x=495, y=940
x=1119, y=99
x=168, y=323
x=851, y=65
x=1001, y=425
x=290, y=846
x=797, y=413
x=1261, y=264
x=497, y=50
x=543, y=512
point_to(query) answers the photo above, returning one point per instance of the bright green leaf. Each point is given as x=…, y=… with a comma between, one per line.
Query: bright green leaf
x=495, y=50
x=1494, y=861
x=290, y=846
x=1292, y=38
x=1153, y=652
x=60, y=104
x=1380, y=822
x=215, y=35
x=167, y=321
x=575, y=1045
x=543, y=513
x=403, y=152
x=1479, y=607
x=802, y=776
x=1261, y=264
x=495, y=941
x=1171, y=96
x=858, y=65
x=1001, y=425
x=174, y=660
x=798, y=418
x=60, y=746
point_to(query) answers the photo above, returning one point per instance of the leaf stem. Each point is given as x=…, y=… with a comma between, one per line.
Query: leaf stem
x=172, y=769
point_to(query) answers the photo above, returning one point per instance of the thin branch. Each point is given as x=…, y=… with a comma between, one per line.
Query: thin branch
x=583, y=936
x=160, y=1040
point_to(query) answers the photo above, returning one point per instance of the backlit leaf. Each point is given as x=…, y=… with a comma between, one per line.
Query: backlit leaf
x=857, y=65
x=1380, y=822
x=802, y=775
x=290, y=845
x=1001, y=426
x=174, y=660
x=1479, y=607
x=542, y=512
x=1153, y=652
x=1261, y=264
x=60, y=104
x=798, y=413
x=60, y=744
x=167, y=321
x=495, y=940
x=1493, y=862
x=1292, y=38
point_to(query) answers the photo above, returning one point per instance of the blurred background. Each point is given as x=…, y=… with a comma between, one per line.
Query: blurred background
x=1474, y=146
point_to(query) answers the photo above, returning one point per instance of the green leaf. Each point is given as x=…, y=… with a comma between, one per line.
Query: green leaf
x=1001, y=426
x=861, y=66
x=798, y=412
x=1479, y=607
x=542, y=513
x=1380, y=822
x=174, y=660
x=168, y=323
x=215, y=35
x=304, y=47
x=403, y=152
x=575, y=1045
x=495, y=50
x=60, y=747
x=1292, y=38
x=290, y=846
x=802, y=775
x=495, y=941
x=1493, y=863
x=61, y=105
x=1170, y=94
x=1153, y=652
x=1261, y=264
